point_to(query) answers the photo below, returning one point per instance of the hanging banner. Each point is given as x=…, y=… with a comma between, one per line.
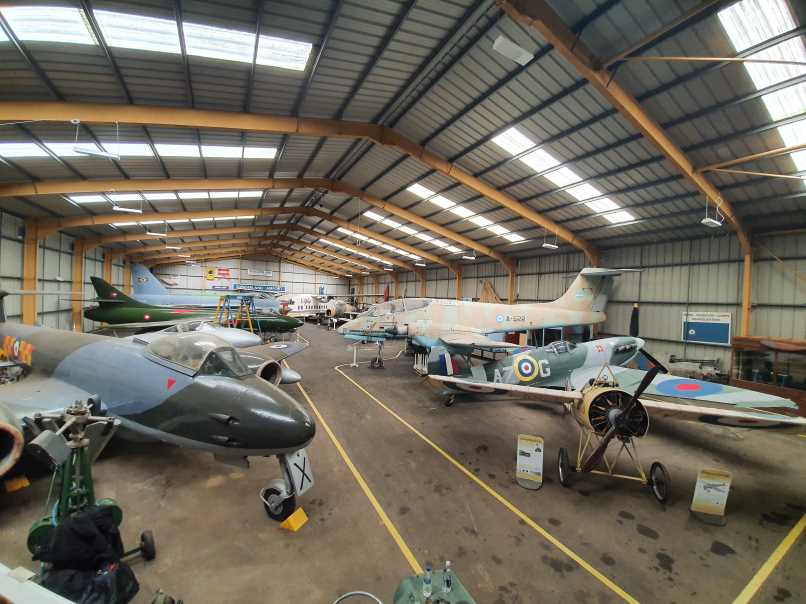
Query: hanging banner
x=706, y=328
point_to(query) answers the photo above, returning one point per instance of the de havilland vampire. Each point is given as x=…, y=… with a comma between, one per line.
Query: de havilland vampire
x=192, y=390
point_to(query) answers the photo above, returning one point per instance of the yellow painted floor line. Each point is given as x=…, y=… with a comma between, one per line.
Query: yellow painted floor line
x=766, y=569
x=500, y=498
x=404, y=548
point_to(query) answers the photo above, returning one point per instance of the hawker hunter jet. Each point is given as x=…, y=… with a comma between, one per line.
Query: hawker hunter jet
x=146, y=332
x=192, y=390
x=456, y=323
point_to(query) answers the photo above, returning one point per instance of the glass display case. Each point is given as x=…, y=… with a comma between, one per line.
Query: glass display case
x=772, y=365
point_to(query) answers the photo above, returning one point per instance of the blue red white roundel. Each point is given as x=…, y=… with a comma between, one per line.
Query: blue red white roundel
x=686, y=388
x=524, y=368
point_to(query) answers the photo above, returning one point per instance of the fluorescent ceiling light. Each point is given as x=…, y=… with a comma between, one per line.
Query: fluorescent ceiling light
x=193, y=195
x=583, y=191
x=154, y=234
x=480, y=221
x=223, y=194
x=468, y=257
x=602, y=205
x=49, y=24
x=69, y=149
x=129, y=210
x=182, y=255
x=129, y=149
x=408, y=230
x=250, y=194
x=152, y=222
x=170, y=150
x=506, y=47
x=124, y=197
x=540, y=160
x=419, y=264
x=87, y=198
x=497, y=229
x=120, y=224
x=121, y=30
x=550, y=246
x=221, y=151
x=280, y=52
x=461, y=211
x=21, y=150
x=218, y=43
x=94, y=151
x=174, y=221
x=563, y=177
x=514, y=237
x=202, y=219
x=621, y=216
x=173, y=247
x=513, y=141
x=388, y=269
x=711, y=223
x=259, y=152
x=373, y=215
x=159, y=196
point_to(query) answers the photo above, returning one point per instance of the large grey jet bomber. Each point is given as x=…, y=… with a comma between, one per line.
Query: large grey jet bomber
x=191, y=389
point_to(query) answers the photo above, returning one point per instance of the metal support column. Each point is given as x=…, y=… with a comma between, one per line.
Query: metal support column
x=127, y=277
x=76, y=318
x=423, y=284
x=30, y=262
x=396, y=280
x=107, y=266
x=747, y=288
x=511, y=283
x=458, y=271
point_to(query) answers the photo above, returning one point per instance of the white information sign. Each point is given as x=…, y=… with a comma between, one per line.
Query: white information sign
x=711, y=492
x=529, y=463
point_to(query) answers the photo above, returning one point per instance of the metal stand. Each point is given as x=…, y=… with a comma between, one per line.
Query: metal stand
x=377, y=362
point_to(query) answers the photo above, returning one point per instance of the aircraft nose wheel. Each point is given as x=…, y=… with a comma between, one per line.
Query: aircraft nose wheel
x=659, y=482
x=278, y=506
x=563, y=467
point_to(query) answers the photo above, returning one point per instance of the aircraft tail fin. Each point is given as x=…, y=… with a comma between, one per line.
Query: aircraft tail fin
x=590, y=290
x=108, y=294
x=144, y=282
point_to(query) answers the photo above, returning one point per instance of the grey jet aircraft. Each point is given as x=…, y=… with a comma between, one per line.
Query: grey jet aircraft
x=192, y=390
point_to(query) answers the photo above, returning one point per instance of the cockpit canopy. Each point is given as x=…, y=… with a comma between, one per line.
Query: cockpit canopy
x=204, y=354
x=397, y=306
x=560, y=347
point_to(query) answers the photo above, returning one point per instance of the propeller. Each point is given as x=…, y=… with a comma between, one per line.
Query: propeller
x=635, y=330
x=618, y=420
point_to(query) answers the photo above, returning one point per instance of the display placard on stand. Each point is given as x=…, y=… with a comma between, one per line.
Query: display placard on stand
x=529, y=461
x=711, y=495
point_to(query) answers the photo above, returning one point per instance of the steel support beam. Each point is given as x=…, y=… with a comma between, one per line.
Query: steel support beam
x=30, y=261
x=747, y=288
x=753, y=157
x=459, y=271
x=127, y=277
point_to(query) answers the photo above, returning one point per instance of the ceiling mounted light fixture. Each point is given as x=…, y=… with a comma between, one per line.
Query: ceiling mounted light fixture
x=712, y=222
x=95, y=151
x=507, y=48
x=549, y=245
x=116, y=208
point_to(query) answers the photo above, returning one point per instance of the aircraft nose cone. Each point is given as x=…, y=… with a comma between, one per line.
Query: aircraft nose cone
x=640, y=343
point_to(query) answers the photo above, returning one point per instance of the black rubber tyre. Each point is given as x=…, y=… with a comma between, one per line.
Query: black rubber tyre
x=148, y=548
x=282, y=510
x=563, y=467
x=659, y=482
x=449, y=400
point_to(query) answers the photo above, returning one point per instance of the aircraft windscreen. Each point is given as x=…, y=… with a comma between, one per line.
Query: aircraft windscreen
x=224, y=362
x=187, y=349
x=560, y=346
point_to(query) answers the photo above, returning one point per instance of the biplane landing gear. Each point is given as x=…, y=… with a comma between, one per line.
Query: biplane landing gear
x=563, y=467
x=659, y=482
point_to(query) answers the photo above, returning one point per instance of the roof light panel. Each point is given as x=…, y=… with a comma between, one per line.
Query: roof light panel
x=218, y=43
x=391, y=223
x=621, y=216
x=218, y=151
x=49, y=24
x=22, y=150
x=122, y=30
x=513, y=141
x=563, y=177
x=540, y=160
x=249, y=194
x=481, y=221
x=193, y=195
x=497, y=229
x=117, y=197
x=170, y=150
x=128, y=149
x=419, y=190
x=602, y=205
x=583, y=191
x=159, y=196
x=461, y=211
x=283, y=53
x=87, y=198
x=453, y=249
x=514, y=237
x=69, y=149
x=223, y=194
x=373, y=215
x=259, y=152
x=408, y=230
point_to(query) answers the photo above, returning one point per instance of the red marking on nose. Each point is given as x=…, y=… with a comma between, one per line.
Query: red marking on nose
x=688, y=387
x=146, y=317
x=170, y=383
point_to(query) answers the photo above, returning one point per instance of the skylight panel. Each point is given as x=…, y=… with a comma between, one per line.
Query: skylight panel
x=223, y=194
x=786, y=102
x=513, y=141
x=391, y=223
x=169, y=150
x=213, y=151
x=118, y=197
x=128, y=149
x=440, y=243
x=795, y=134
x=87, y=198
x=583, y=191
x=514, y=237
x=250, y=194
x=259, y=152
x=602, y=205
x=120, y=224
x=121, y=30
x=442, y=202
x=424, y=236
x=481, y=221
x=497, y=229
x=280, y=52
x=201, y=219
x=419, y=190
x=21, y=150
x=461, y=211
x=219, y=43
x=751, y=22
x=767, y=74
x=540, y=160
x=408, y=230
x=49, y=24
x=244, y=217
x=563, y=177
x=453, y=249
x=174, y=221
x=373, y=215
x=160, y=196
x=193, y=195
x=68, y=149
x=622, y=216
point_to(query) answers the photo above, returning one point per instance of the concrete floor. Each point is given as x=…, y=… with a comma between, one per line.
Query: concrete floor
x=215, y=543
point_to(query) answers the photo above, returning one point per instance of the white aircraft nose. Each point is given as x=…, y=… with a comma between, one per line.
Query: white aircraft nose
x=640, y=342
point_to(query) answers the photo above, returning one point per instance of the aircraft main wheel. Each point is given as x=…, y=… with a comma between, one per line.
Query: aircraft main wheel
x=563, y=467
x=147, y=546
x=277, y=508
x=449, y=400
x=659, y=482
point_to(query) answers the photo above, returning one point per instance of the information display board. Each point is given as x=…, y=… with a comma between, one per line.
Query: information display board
x=707, y=328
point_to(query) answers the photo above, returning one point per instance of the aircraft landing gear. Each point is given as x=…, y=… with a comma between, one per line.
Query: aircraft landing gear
x=377, y=362
x=279, y=497
x=449, y=400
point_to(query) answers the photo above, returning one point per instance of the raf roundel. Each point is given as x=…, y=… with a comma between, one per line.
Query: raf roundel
x=524, y=368
x=685, y=388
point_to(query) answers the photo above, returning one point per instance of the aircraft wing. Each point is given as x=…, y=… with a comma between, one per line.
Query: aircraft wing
x=722, y=416
x=511, y=390
x=39, y=394
x=255, y=356
x=475, y=340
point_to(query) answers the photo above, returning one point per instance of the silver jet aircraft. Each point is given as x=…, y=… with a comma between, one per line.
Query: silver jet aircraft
x=430, y=322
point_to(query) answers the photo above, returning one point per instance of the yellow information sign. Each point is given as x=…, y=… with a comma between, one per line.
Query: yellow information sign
x=529, y=465
x=711, y=492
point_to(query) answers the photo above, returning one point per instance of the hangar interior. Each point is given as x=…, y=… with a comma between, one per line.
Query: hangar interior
x=478, y=161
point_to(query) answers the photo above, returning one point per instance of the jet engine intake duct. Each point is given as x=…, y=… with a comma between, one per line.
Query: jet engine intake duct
x=274, y=373
x=12, y=441
x=602, y=409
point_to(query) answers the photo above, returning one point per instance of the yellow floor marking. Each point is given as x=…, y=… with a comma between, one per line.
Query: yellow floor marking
x=766, y=569
x=500, y=498
x=404, y=548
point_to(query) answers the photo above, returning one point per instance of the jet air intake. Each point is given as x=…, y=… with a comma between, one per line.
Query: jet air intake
x=12, y=441
x=275, y=374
